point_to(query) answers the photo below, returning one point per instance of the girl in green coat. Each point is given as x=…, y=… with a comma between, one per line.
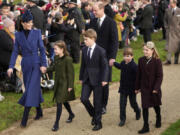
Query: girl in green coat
x=64, y=81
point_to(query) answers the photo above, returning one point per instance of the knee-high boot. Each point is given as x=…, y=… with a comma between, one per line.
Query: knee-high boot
x=145, y=128
x=39, y=113
x=25, y=116
x=158, y=116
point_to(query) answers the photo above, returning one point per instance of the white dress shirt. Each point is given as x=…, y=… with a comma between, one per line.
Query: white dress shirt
x=102, y=19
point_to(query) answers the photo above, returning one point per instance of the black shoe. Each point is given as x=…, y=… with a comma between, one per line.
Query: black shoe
x=38, y=117
x=138, y=114
x=122, y=123
x=55, y=128
x=158, y=122
x=93, y=122
x=103, y=110
x=97, y=127
x=71, y=117
x=144, y=130
x=167, y=63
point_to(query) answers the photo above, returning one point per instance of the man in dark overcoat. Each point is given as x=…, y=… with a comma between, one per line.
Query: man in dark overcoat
x=107, y=38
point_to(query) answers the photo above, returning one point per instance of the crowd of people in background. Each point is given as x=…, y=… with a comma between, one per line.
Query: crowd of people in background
x=112, y=25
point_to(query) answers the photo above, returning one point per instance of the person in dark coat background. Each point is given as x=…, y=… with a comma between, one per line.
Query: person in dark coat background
x=7, y=43
x=107, y=38
x=146, y=23
x=38, y=15
x=163, y=5
x=127, y=85
x=148, y=82
x=73, y=37
x=29, y=42
x=64, y=81
x=108, y=9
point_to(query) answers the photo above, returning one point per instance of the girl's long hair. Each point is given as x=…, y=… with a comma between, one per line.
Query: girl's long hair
x=61, y=44
x=151, y=45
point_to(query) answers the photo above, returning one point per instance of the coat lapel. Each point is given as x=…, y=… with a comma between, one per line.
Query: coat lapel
x=26, y=41
x=103, y=24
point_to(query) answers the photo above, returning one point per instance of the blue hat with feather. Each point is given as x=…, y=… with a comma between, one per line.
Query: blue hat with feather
x=27, y=16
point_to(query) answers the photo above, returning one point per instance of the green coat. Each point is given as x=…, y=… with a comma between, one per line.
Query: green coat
x=64, y=79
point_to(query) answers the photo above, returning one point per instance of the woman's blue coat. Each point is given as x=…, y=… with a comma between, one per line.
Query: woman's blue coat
x=33, y=57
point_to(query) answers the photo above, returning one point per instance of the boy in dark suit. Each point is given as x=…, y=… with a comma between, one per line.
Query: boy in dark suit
x=93, y=75
x=127, y=85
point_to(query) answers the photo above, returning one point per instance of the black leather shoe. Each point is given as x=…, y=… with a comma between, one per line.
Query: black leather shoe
x=144, y=130
x=93, y=122
x=55, y=128
x=97, y=127
x=138, y=114
x=71, y=117
x=103, y=110
x=122, y=122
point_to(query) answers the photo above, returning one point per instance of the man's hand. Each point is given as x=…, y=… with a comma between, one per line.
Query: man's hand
x=104, y=83
x=111, y=62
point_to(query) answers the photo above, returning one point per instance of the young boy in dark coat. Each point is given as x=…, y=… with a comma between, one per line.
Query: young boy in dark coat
x=127, y=85
x=93, y=75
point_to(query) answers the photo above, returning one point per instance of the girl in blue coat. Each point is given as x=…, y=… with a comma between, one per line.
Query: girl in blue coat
x=29, y=42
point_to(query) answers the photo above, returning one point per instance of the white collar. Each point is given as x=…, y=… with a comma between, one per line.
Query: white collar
x=93, y=46
x=102, y=18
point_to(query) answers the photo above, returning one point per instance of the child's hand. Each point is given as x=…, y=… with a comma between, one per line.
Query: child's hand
x=155, y=92
x=104, y=83
x=10, y=72
x=137, y=91
x=80, y=81
x=69, y=89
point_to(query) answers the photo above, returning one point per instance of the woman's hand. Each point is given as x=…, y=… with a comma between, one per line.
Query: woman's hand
x=137, y=91
x=155, y=92
x=10, y=72
x=43, y=69
x=70, y=89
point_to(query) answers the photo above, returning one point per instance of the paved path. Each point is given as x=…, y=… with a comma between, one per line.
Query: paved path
x=81, y=124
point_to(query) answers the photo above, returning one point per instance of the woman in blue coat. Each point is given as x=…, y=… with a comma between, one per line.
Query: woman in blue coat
x=29, y=42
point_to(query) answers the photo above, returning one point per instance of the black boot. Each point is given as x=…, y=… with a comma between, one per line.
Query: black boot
x=55, y=127
x=138, y=114
x=158, y=116
x=71, y=117
x=71, y=114
x=39, y=113
x=145, y=129
x=158, y=122
x=25, y=117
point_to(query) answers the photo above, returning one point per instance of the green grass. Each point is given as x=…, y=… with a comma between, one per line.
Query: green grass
x=11, y=112
x=174, y=129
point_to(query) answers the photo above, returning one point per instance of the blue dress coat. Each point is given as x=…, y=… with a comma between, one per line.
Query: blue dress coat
x=33, y=57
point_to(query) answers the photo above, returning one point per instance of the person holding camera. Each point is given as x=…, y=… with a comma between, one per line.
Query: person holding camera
x=73, y=37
